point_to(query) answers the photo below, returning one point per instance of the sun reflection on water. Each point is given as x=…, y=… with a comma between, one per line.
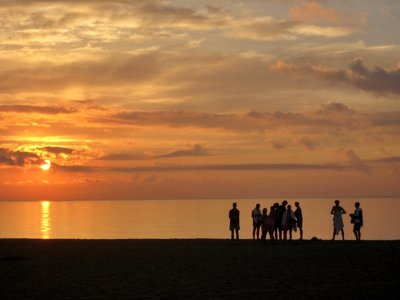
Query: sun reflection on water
x=45, y=226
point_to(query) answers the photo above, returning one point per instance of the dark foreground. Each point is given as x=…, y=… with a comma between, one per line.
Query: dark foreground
x=200, y=269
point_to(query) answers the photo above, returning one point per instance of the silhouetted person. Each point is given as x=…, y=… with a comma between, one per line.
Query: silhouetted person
x=279, y=214
x=270, y=223
x=274, y=209
x=337, y=212
x=234, y=224
x=299, y=218
x=264, y=218
x=256, y=216
x=288, y=222
x=358, y=220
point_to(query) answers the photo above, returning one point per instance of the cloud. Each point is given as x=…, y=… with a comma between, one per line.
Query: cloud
x=378, y=80
x=105, y=71
x=124, y=156
x=211, y=167
x=51, y=110
x=390, y=159
x=336, y=108
x=18, y=158
x=355, y=161
x=196, y=150
x=308, y=143
x=265, y=28
x=57, y=150
x=277, y=145
x=331, y=115
x=312, y=10
x=318, y=19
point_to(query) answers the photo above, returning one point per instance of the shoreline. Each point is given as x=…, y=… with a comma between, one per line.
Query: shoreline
x=198, y=269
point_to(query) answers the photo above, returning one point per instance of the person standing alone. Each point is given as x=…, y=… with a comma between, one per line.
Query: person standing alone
x=234, y=224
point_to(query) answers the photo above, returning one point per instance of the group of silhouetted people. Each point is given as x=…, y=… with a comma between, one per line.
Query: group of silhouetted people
x=356, y=218
x=282, y=220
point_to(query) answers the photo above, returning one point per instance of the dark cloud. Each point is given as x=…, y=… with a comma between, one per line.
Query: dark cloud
x=124, y=156
x=197, y=150
x=258, y=121
x=376, y=80
x=57, y=150
x=51, y=110
x=308, y=143
x=18, y=158
x=277, y=145
x=212, y=167
x=390, y=159
x=336, y=107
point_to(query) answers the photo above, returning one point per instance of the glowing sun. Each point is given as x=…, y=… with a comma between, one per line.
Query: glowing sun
x=46, y=165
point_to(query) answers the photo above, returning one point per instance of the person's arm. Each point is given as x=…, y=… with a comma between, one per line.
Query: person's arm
x=343, y=211
x=332, y=211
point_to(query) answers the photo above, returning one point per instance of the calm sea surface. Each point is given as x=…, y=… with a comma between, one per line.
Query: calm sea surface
x=134, y=219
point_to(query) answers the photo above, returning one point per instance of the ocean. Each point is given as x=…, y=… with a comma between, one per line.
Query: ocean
x=178, y=219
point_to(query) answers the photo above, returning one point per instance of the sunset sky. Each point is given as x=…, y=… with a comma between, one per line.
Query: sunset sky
x=153, y=99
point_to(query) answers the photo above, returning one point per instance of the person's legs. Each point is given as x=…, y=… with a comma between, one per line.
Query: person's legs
x=263, y=234
x=290, y=234
x=232, y=236
x=301, y=232
x=342, y=234
x=357, y=231
x=254, y=231
x=237, y=233
x=334, y=233
x=258, y=231
x=271, y=235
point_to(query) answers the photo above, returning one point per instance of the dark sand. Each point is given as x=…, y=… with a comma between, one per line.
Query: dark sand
x=199, y=269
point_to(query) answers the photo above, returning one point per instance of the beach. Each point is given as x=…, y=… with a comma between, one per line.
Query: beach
x=198, y=269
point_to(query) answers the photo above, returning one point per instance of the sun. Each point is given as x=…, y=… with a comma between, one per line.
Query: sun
x=46, y=165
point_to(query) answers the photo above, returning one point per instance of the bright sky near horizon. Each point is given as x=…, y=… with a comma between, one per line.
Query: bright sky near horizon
x=191, y=99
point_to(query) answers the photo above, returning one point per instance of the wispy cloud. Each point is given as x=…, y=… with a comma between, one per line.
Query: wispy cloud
x=52, y=110
x=196, y=150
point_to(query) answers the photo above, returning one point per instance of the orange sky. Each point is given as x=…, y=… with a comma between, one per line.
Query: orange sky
x=199, y=99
